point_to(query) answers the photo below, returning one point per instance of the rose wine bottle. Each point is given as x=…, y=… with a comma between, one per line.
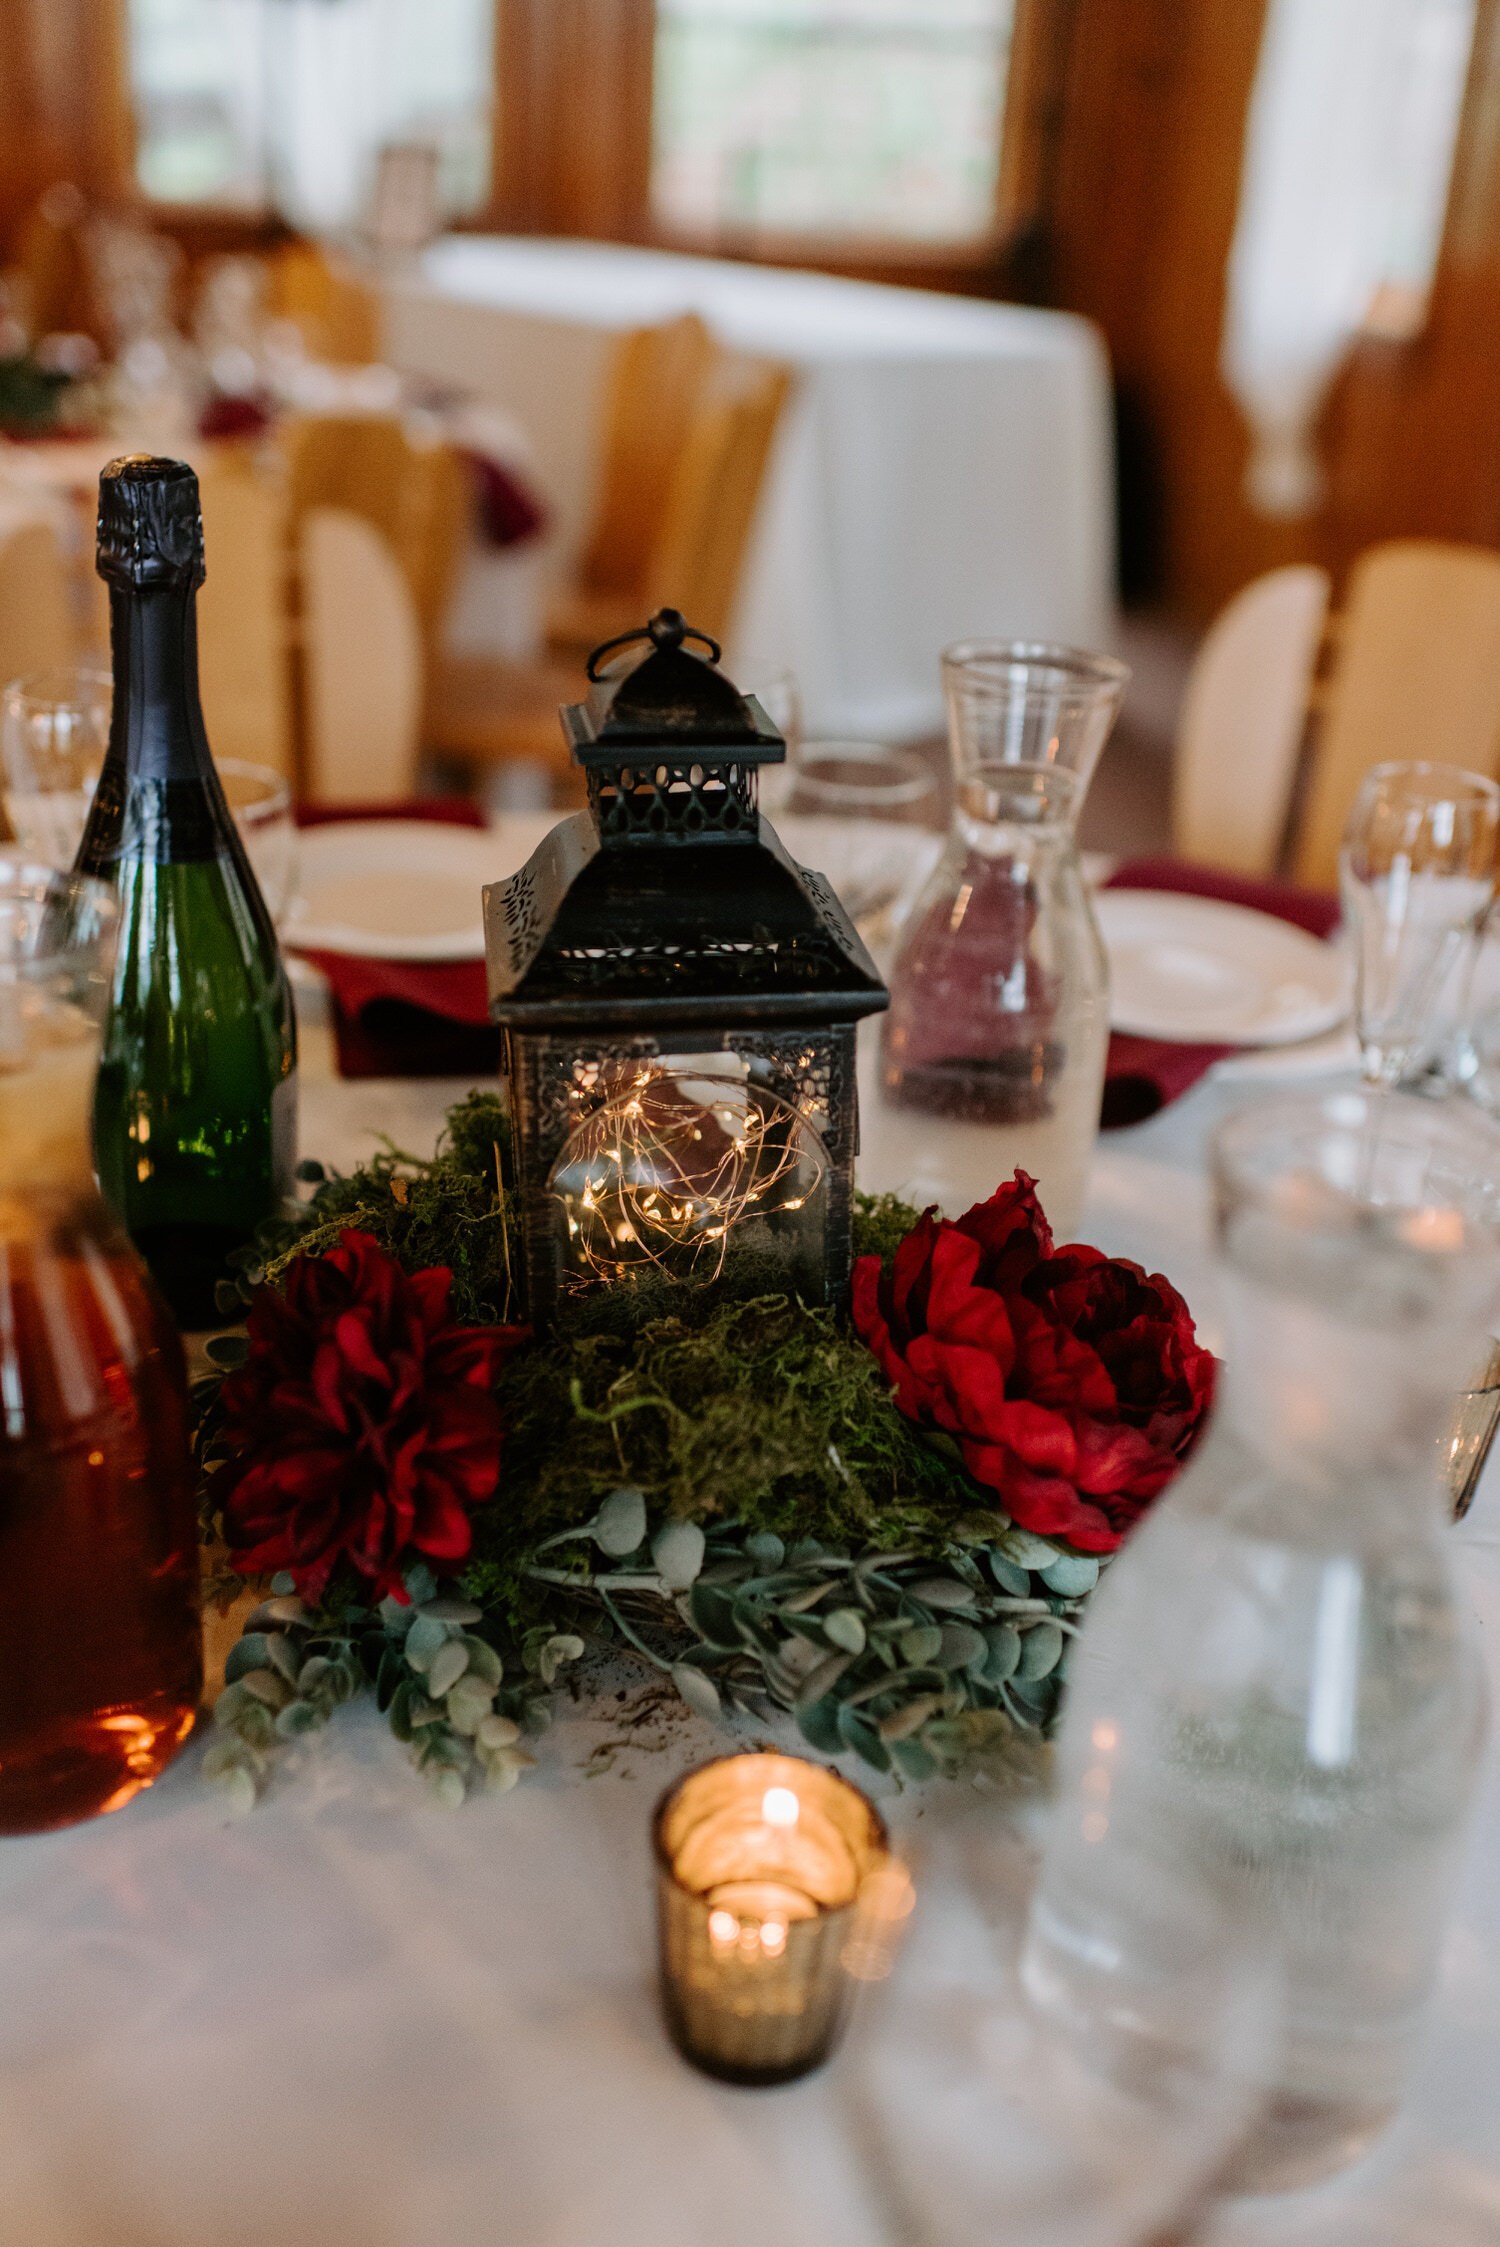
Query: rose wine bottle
x=195, y=1118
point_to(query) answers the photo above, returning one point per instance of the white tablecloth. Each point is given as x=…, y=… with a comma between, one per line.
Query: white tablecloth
x=357, y=2020
x=944, y=468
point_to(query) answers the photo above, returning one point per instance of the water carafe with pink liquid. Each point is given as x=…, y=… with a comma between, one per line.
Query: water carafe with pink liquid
x=999, y=1017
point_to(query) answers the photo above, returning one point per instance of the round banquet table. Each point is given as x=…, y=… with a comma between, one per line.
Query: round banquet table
x=355, y=2017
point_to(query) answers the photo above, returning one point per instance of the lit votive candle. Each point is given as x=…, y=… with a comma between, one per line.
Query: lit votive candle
x=765, y=1870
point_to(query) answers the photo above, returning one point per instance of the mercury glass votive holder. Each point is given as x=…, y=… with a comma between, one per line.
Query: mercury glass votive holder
x=766, y=1869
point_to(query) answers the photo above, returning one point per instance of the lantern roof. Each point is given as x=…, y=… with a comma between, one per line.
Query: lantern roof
x=635, y=911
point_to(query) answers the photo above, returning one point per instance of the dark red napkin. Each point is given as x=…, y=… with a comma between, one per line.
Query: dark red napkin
x=407, y=1018
x=507, y=510
x=1145, y=1074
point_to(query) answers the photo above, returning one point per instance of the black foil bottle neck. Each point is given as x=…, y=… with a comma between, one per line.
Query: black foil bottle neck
x=156, y=724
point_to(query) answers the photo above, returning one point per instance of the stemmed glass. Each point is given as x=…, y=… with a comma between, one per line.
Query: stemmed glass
x=54, y=732
x=1416, y=870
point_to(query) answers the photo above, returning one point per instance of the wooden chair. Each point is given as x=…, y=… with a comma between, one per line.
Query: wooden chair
x=36, y=626
x=1416, y=674
x=483, y=712
x=243, y=637
x=1242, y=719
x=416, y=496
x=337, y=311
x=361, y=662
x=656, y=384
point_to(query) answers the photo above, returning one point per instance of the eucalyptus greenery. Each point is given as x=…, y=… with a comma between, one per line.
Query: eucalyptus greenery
x=730, y=1494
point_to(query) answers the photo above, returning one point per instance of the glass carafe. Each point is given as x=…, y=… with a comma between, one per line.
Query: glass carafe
x=1275, y=1707
x=999, y=1018
x=100, y=1664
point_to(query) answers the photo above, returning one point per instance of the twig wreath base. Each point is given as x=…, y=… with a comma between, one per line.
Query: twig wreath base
x=730, y=1494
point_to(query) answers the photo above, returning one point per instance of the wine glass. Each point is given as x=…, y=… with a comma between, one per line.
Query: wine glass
x=1416, y=870
x=53, y=735
x=865, y=815
x=261, y=802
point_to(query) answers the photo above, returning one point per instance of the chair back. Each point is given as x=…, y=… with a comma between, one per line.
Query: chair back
x=656, y=383
x=1416, y=674
x=1242, y=720
x=338, y=313
x=36, y=626
x=243, y=639
x=695, y=565
x=361, y=662
x=416, y=496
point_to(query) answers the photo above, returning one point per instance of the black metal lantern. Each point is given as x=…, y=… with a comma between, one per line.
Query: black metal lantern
x=680, y=1002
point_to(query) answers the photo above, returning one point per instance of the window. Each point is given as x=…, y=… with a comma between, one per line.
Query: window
x=1348, y=157
x=284, y=104
x=861, y=118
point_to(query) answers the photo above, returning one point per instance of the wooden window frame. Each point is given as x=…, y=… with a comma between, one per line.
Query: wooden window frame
x=573, y=148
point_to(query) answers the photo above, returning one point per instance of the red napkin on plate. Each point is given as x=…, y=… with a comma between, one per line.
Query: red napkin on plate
x=408, y=1018
x=1145, y=1074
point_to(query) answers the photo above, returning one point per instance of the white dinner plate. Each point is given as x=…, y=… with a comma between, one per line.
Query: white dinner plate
x=403, y=889
x=1199, y=970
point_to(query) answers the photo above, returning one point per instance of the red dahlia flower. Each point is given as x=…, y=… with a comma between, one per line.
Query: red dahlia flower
x=1073, y=1381
x=366, y=1424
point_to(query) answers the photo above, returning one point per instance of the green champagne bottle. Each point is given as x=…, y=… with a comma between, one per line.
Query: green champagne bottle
x=195, y=1121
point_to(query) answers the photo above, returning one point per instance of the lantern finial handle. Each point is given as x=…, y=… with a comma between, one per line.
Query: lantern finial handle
x=667, y=630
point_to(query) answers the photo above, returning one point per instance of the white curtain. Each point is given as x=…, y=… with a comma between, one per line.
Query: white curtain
x=1348, y=155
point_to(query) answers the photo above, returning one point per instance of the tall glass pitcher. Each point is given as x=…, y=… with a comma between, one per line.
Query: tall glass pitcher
x=1275, y=1707
x=100, y=1661
x=999, y=1016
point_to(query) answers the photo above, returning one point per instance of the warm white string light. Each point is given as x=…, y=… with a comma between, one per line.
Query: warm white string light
x=662, y=1173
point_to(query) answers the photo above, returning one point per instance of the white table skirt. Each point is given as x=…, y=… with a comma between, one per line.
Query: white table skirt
x=944, y=469
x=355, y=2017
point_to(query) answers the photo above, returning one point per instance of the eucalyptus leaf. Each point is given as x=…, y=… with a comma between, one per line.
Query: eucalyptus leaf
x=818, y=1723
x=248, y=1653
x=286, y=1656
x=858, y=1733
x=1010, y=1575
x=822, y=1679
x=563, y=1646
x=901, y=1723
x=448, y=1788
x=282, y=1613
x=396, y=1614
x=920, y=1643
x=913, y=1760
x=483, y=1660
x=1004, y=1643
x=962, y=1646
x=845, y=1627
x=297, y=1718
x=225, y=1756
x=1041, y=1651
x=266, y=1686
x=424, y=1641
x=942, y=1591
x=766, y=1549
x=497, y=1732
x=400, y=1709
x=1026, y=1549
x=237, y=1789
x=231, y=1704
x=1072, y=1574
x=620, y=1525
x=446, y=1667
x=282, y=1583
x=458, y=1611
x=699, y=1692
x=313, y=1672
x=713, y=1614
x=677, y=1549
x=420, y=1583
x=387, y=1679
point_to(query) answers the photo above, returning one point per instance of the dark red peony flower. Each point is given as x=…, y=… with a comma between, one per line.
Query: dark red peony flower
x=366, y=1424
x=1073, y=1381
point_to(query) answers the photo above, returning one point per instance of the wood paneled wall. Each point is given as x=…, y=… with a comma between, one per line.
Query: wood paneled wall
x=64, y=105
